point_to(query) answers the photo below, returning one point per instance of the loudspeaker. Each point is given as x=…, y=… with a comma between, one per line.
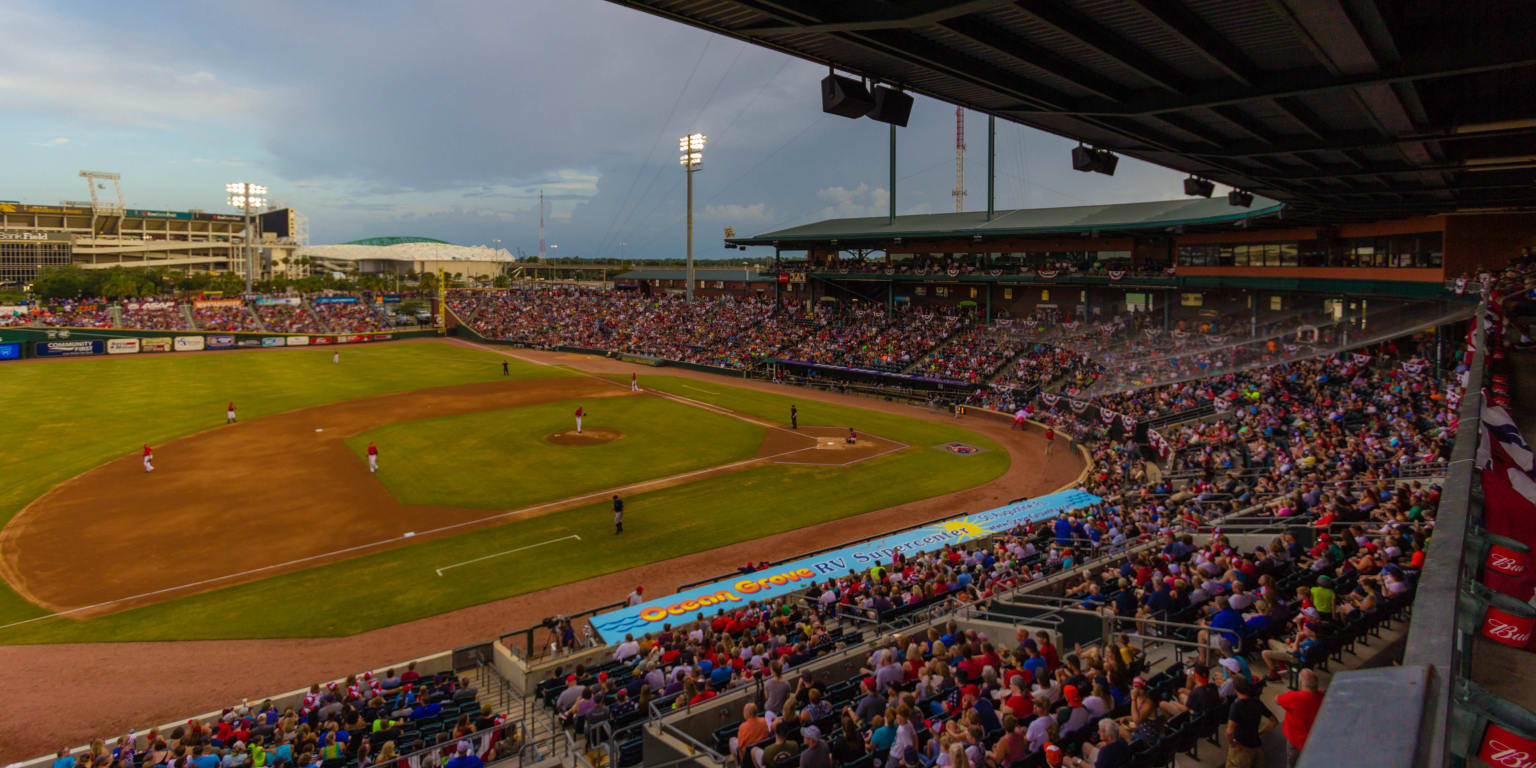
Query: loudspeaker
x=1083, y=159
x=845, y=96
x=1106, y=162
x=891, y=106
x=1198, y=187
x=1240, y=199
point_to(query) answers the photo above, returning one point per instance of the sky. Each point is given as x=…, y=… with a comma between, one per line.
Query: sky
x=446, y=119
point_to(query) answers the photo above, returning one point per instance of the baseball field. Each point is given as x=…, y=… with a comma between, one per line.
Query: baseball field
x=274, y=526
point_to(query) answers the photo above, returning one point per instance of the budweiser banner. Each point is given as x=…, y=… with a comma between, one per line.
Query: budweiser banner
x=1503, y=749
x=1506, y=561
x=1507, y=628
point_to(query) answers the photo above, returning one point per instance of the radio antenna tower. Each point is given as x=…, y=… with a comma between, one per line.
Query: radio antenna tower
x=541, y=225
x=959, y=192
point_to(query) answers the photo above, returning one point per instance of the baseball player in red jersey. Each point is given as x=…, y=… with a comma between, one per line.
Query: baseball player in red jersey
x=579, y=414
x=634, y=384
x=229, y=415
x=373, y=457
x=149, y=456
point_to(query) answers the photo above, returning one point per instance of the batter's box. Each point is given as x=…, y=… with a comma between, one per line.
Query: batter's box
x=964, y=449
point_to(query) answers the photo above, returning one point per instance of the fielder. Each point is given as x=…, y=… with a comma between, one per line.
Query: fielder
x=579, y=414
x=373, y=457
x=336, y=356
x=634, y=384
x=149, y=456
x=229, y=415
x=618, y=515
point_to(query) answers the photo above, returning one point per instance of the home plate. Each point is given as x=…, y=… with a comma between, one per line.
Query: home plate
x=824, y=443
x=317, y=429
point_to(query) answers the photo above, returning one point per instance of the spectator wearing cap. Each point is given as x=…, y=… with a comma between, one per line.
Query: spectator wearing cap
x=570, y=695
x=1077, y=716
x=1247, y=722
x=464, y=757
x=815, y=754
x=637, y=597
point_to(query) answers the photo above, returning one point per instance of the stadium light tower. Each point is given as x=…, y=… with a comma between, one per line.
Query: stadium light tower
x=692, y=147
x=247, y=197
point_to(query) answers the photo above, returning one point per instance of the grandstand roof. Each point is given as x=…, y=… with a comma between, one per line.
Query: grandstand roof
x=1343, y=109
x=406, y=249
x=731, y=275
x=1078, y=218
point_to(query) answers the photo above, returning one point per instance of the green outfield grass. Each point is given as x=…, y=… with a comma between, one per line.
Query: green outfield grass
x=500, y=459
x=400, y=585
x=59, y=418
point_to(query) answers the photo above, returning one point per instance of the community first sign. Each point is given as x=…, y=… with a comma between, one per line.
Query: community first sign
x=797, y=575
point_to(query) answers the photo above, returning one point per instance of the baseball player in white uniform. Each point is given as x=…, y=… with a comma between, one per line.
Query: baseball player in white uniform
x=373, y=457
x=579, y=414
x=634, y=384
x=149, y=456
x=229, y=415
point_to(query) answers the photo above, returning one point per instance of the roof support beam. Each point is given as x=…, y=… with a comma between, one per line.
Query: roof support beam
x=1340, y=141
x=1078, y=27
x=1199, y=37
x=1293, y=84
x=870, y=17
x=1020, y=49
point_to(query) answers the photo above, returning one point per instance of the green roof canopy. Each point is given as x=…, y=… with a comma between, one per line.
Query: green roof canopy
x=396, y=240
x=728, y=275
x=1081, y=218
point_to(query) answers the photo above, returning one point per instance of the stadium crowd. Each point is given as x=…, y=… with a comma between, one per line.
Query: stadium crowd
x=288, y=318
x=349, y=318
x=226, y=318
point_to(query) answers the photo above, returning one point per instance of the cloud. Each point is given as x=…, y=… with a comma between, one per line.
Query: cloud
x=54, y=142
x=736, y=213
x=859, y=201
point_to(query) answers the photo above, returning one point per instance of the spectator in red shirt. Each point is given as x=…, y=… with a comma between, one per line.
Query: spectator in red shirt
x=1300, y=710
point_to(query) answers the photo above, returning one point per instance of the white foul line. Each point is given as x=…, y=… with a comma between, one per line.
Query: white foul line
x=508, y=552
x=696, y=389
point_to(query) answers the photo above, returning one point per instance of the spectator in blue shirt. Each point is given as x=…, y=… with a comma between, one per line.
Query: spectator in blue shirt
x=465, y=758
x=63, y=760
x=1063, y=529
x=1225, y=627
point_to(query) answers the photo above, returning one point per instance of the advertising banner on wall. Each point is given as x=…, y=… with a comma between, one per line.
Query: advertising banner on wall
x=14, y=310
x=322, y=340
x=283, y=300
x=335, y=300
x=383, y=336
x=149, y=305
x=220, y=342
x=122, y=346
x=351, y=339
x=69, y=348
x=155, y=344
x=272, y=341
x=298, y=341
x=205, y=303
x=189, y=343
x=248, y=343
x=10, y=351
x=796, y=575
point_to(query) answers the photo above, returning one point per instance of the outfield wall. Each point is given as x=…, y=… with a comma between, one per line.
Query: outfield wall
x=29, y=342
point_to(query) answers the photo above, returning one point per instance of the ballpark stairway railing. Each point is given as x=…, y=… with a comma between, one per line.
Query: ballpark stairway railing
x=185, y=308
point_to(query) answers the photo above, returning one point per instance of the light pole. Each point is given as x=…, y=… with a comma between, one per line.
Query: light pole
x=247, y=197
x=692, y=147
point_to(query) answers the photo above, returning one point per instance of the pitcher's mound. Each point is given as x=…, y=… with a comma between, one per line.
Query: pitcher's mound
x=587, y=437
